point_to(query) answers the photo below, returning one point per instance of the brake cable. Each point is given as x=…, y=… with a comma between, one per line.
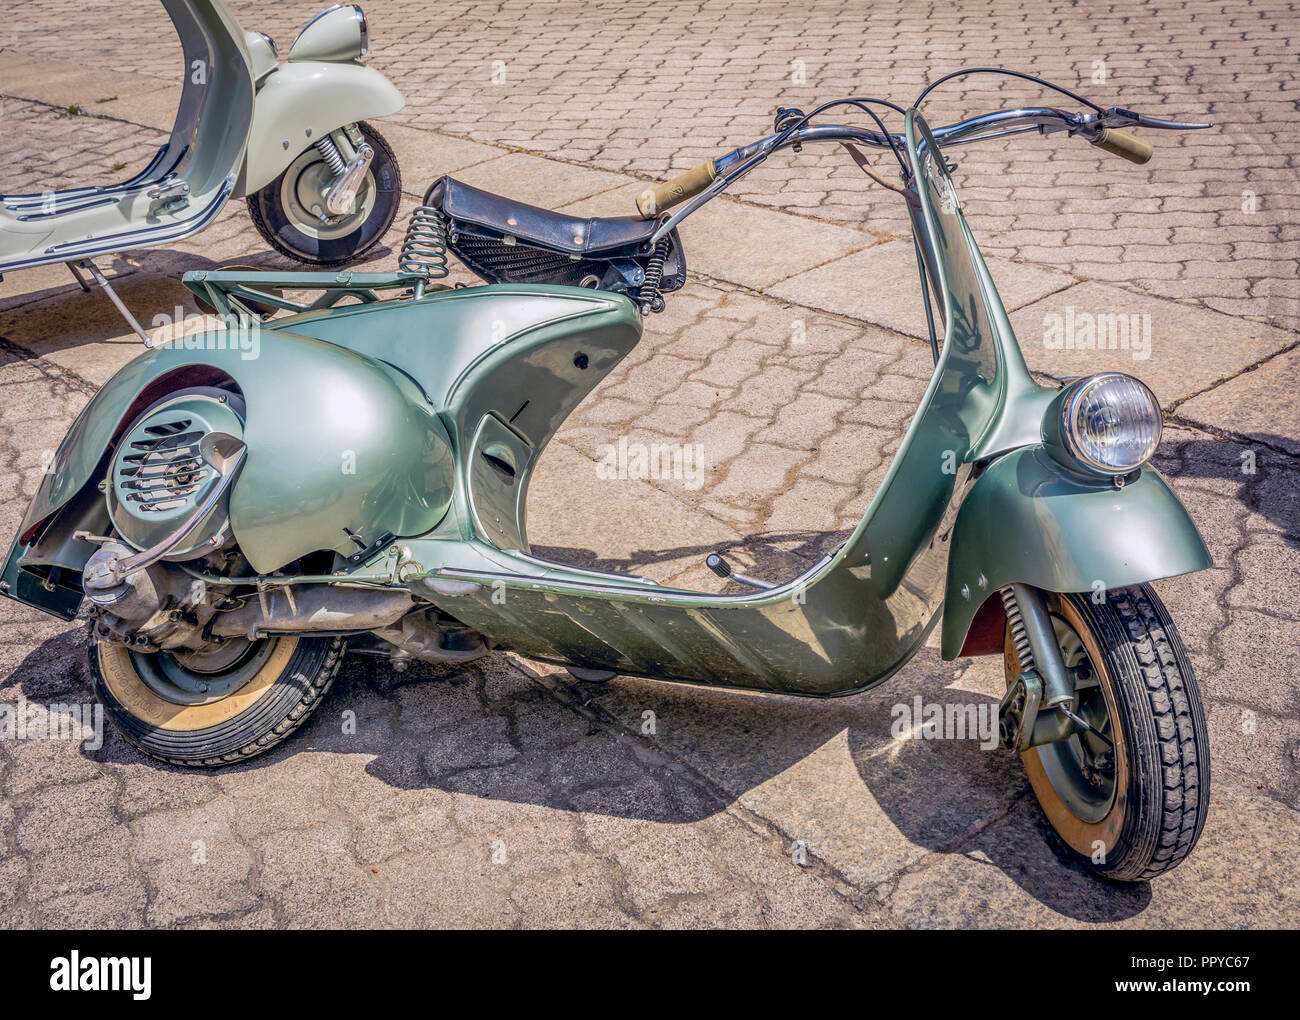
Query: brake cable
x=1012, y=74
x=861, y=104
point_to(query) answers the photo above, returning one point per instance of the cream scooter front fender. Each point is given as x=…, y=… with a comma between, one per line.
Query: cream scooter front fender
x=303, y=101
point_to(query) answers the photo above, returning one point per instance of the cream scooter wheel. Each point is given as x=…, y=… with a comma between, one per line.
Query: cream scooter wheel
x=288, y=212
x=217, y=709
x=1133, y=811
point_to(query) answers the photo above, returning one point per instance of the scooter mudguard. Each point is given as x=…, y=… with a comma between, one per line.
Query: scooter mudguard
x=1028, y=520
x=303, y=102
x=336, y=440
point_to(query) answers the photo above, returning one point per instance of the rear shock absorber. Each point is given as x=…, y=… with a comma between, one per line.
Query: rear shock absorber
x=648, y=296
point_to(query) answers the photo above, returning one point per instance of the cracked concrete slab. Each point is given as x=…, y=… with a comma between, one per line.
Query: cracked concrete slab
x=1176, y=349
x=505, y=793
x=424, y=156
x=1254, y=404
x=880, y=285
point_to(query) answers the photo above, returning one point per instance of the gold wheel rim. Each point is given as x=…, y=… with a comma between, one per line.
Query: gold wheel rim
x=1087, y=838
x=125, y=684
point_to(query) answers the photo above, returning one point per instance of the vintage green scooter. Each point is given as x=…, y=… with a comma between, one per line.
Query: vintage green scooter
x=291, y=137
x=237, y=508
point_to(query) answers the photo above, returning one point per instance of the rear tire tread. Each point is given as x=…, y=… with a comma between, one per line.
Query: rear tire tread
x=318, y=685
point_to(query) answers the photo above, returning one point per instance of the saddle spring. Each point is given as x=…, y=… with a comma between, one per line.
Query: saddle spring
x=424, y=247
x=648, y=296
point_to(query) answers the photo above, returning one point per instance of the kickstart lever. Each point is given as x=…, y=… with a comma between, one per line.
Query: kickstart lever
x=723, y=569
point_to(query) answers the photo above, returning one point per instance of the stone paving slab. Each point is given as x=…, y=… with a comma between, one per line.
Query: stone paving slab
x=424, y=156
x=739, y=243
x=881, y=285
x=45, y=281
x=1178, y=350
x=1183, y=227
x=155, y=108
x=1259, y=404
x=538, y=181
x=64, y=83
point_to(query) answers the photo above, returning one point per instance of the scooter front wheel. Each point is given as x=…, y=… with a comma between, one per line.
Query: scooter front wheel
x=290, y=212
x=213, y=708
x=1129, y=800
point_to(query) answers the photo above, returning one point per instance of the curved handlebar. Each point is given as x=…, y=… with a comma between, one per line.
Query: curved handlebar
x=1101, y=129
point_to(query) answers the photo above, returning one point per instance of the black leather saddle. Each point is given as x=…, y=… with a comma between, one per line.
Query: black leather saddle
x=505, y=241
x=541, y=228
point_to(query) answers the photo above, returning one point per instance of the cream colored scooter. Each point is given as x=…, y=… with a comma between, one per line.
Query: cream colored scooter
x=289, y=136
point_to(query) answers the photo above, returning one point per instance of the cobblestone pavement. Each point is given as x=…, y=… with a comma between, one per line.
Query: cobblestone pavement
x=504, y=793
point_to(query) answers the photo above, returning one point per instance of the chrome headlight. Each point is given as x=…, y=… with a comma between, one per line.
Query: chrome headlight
x=336, y=33
x=1109, y=424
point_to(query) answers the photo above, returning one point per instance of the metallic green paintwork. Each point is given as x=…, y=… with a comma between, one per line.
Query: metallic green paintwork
x=336, y=440
x=499, y=363
x=502, y=366
x=303, y=102
x=1027, y=519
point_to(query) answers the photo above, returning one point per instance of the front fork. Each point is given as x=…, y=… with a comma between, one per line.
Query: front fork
x=1038, y=706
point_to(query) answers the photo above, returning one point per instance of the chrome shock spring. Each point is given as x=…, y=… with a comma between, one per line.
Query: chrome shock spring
x=1016, y=624
x=424, y=247
x=330, y=153
x=648, y=296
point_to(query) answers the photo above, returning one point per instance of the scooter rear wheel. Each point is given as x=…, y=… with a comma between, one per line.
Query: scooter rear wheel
x=215, y=709
x=282, y=211
x=1134, y=812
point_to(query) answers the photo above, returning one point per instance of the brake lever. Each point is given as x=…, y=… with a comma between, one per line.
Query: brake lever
x=1091, y=124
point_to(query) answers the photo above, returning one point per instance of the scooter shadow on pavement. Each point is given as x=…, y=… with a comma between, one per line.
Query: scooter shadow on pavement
x=59, y=315
x=1268, y=482
x=491, y=731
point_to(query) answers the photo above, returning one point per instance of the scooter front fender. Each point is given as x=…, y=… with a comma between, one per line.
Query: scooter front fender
x=301, y=103
x=1029, y=520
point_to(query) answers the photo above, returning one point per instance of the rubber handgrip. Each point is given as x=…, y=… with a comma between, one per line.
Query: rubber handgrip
x=651, y=202
x=1123, y=143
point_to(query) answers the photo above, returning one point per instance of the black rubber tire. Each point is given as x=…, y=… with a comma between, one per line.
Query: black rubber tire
x=1160, y=715
x=280, y=233
x=295, y=692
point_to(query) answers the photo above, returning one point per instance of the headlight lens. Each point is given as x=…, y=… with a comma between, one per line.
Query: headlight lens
x=1112, y=423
